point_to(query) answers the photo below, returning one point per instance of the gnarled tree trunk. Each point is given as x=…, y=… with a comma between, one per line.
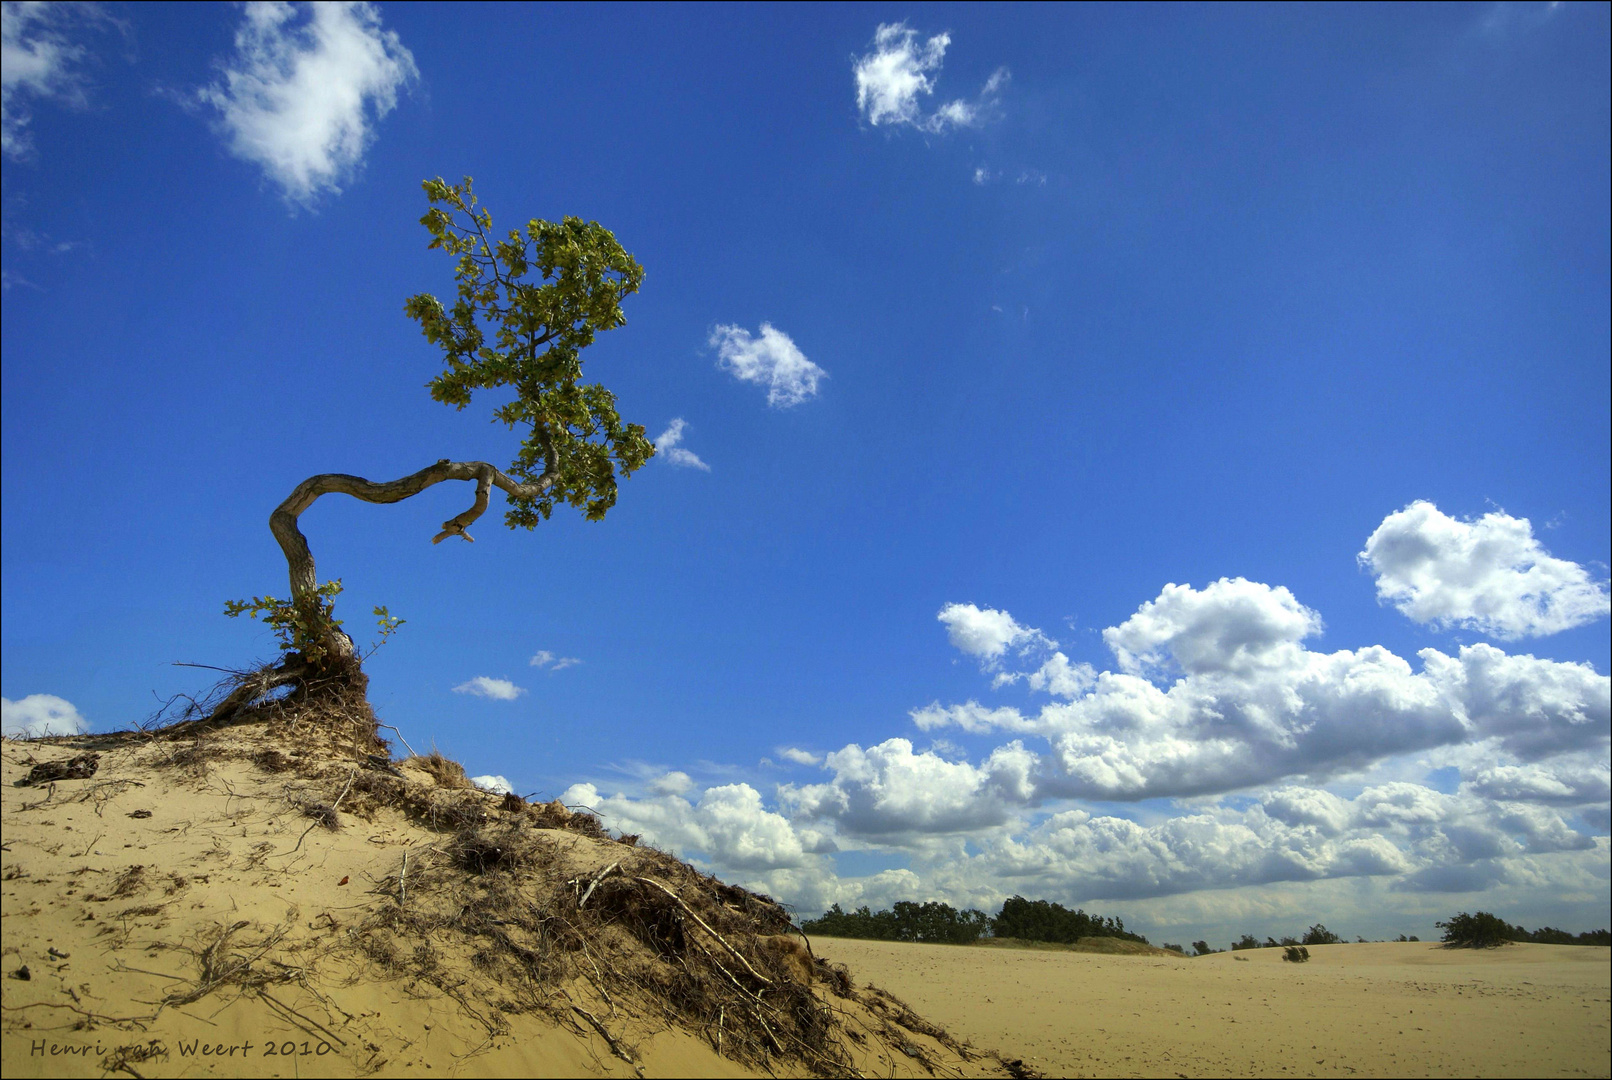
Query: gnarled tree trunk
x=283, y=522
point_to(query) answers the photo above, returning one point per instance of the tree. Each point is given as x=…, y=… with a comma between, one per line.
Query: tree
x=526, y=307
x=1202, y=948
x=1319, y=935
x=1484, y=930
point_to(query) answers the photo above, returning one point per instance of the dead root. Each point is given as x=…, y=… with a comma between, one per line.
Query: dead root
x=647, y=944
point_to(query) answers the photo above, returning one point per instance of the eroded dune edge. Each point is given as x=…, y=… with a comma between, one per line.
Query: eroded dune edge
x=273, y=897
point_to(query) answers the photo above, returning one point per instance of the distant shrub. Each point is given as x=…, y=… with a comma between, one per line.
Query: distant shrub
x=1175, y=948
x=1284, y=942
x=1248, y=941
x=1402, y=937
x=1202, y=948
x=1298, y=954
x=1319, y=935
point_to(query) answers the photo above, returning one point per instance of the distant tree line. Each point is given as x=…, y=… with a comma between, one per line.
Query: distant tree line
x=1027, y=920
x=1485, y=930
x=1315, y=935
x=1041, y=920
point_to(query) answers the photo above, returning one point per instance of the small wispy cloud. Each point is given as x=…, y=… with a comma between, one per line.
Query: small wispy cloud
x=27, y=239
x=496, y=689
x=300, y=97
x=771, y=360
x=1024, y=177
x=666, y=447
x=546, y=659
x=901, y=70
x=38, y=61
x=799, y=757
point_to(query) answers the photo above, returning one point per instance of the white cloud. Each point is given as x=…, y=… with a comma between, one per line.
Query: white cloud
x=1252, y=705
x=799, y=757
x=890, y=790
x=1060, y=678
x=497, y=689
x=546, y=659
x=892, y=80
x=1571, y=781
x=672, y=783
x=666, y=446
x=771, y=360
x=984, y=175
x=37, y=60
x=1537, y=708
x=1233, y=626
x=1489, y=575
x=498, y=785
x=972, y=717
x=300, y=97
x=728, y=825
x=40, y=714
x=987, y=634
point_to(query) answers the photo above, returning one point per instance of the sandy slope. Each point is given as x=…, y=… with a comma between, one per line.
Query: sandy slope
x=122, y=892
x=1362, y=1010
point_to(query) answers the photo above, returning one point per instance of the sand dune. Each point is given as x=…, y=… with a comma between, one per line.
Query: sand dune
x=236, y=902
x=187, y=911
x=1352, y=1010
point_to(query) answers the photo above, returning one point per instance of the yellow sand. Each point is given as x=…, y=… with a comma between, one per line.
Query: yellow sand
x=1352, y=1010
x=115, y=955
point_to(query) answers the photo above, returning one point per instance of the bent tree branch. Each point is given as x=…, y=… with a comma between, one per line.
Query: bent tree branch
x=283, y=522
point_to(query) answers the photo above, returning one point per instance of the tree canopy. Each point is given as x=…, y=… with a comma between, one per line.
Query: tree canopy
x=505, y=330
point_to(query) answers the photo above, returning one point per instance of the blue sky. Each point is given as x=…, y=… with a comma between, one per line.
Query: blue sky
x=1151, y=458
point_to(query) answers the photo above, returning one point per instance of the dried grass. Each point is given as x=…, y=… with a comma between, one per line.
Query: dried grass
x=446, y=773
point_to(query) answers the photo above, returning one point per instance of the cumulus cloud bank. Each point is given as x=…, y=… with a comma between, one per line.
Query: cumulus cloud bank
x=300, y=96
x=1490, y=575
x=771, y=360
x=901, y=70
x=666, y=446
x=40, y=714
x=1247, y=703
x=496, y=689
x=1253, y=760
